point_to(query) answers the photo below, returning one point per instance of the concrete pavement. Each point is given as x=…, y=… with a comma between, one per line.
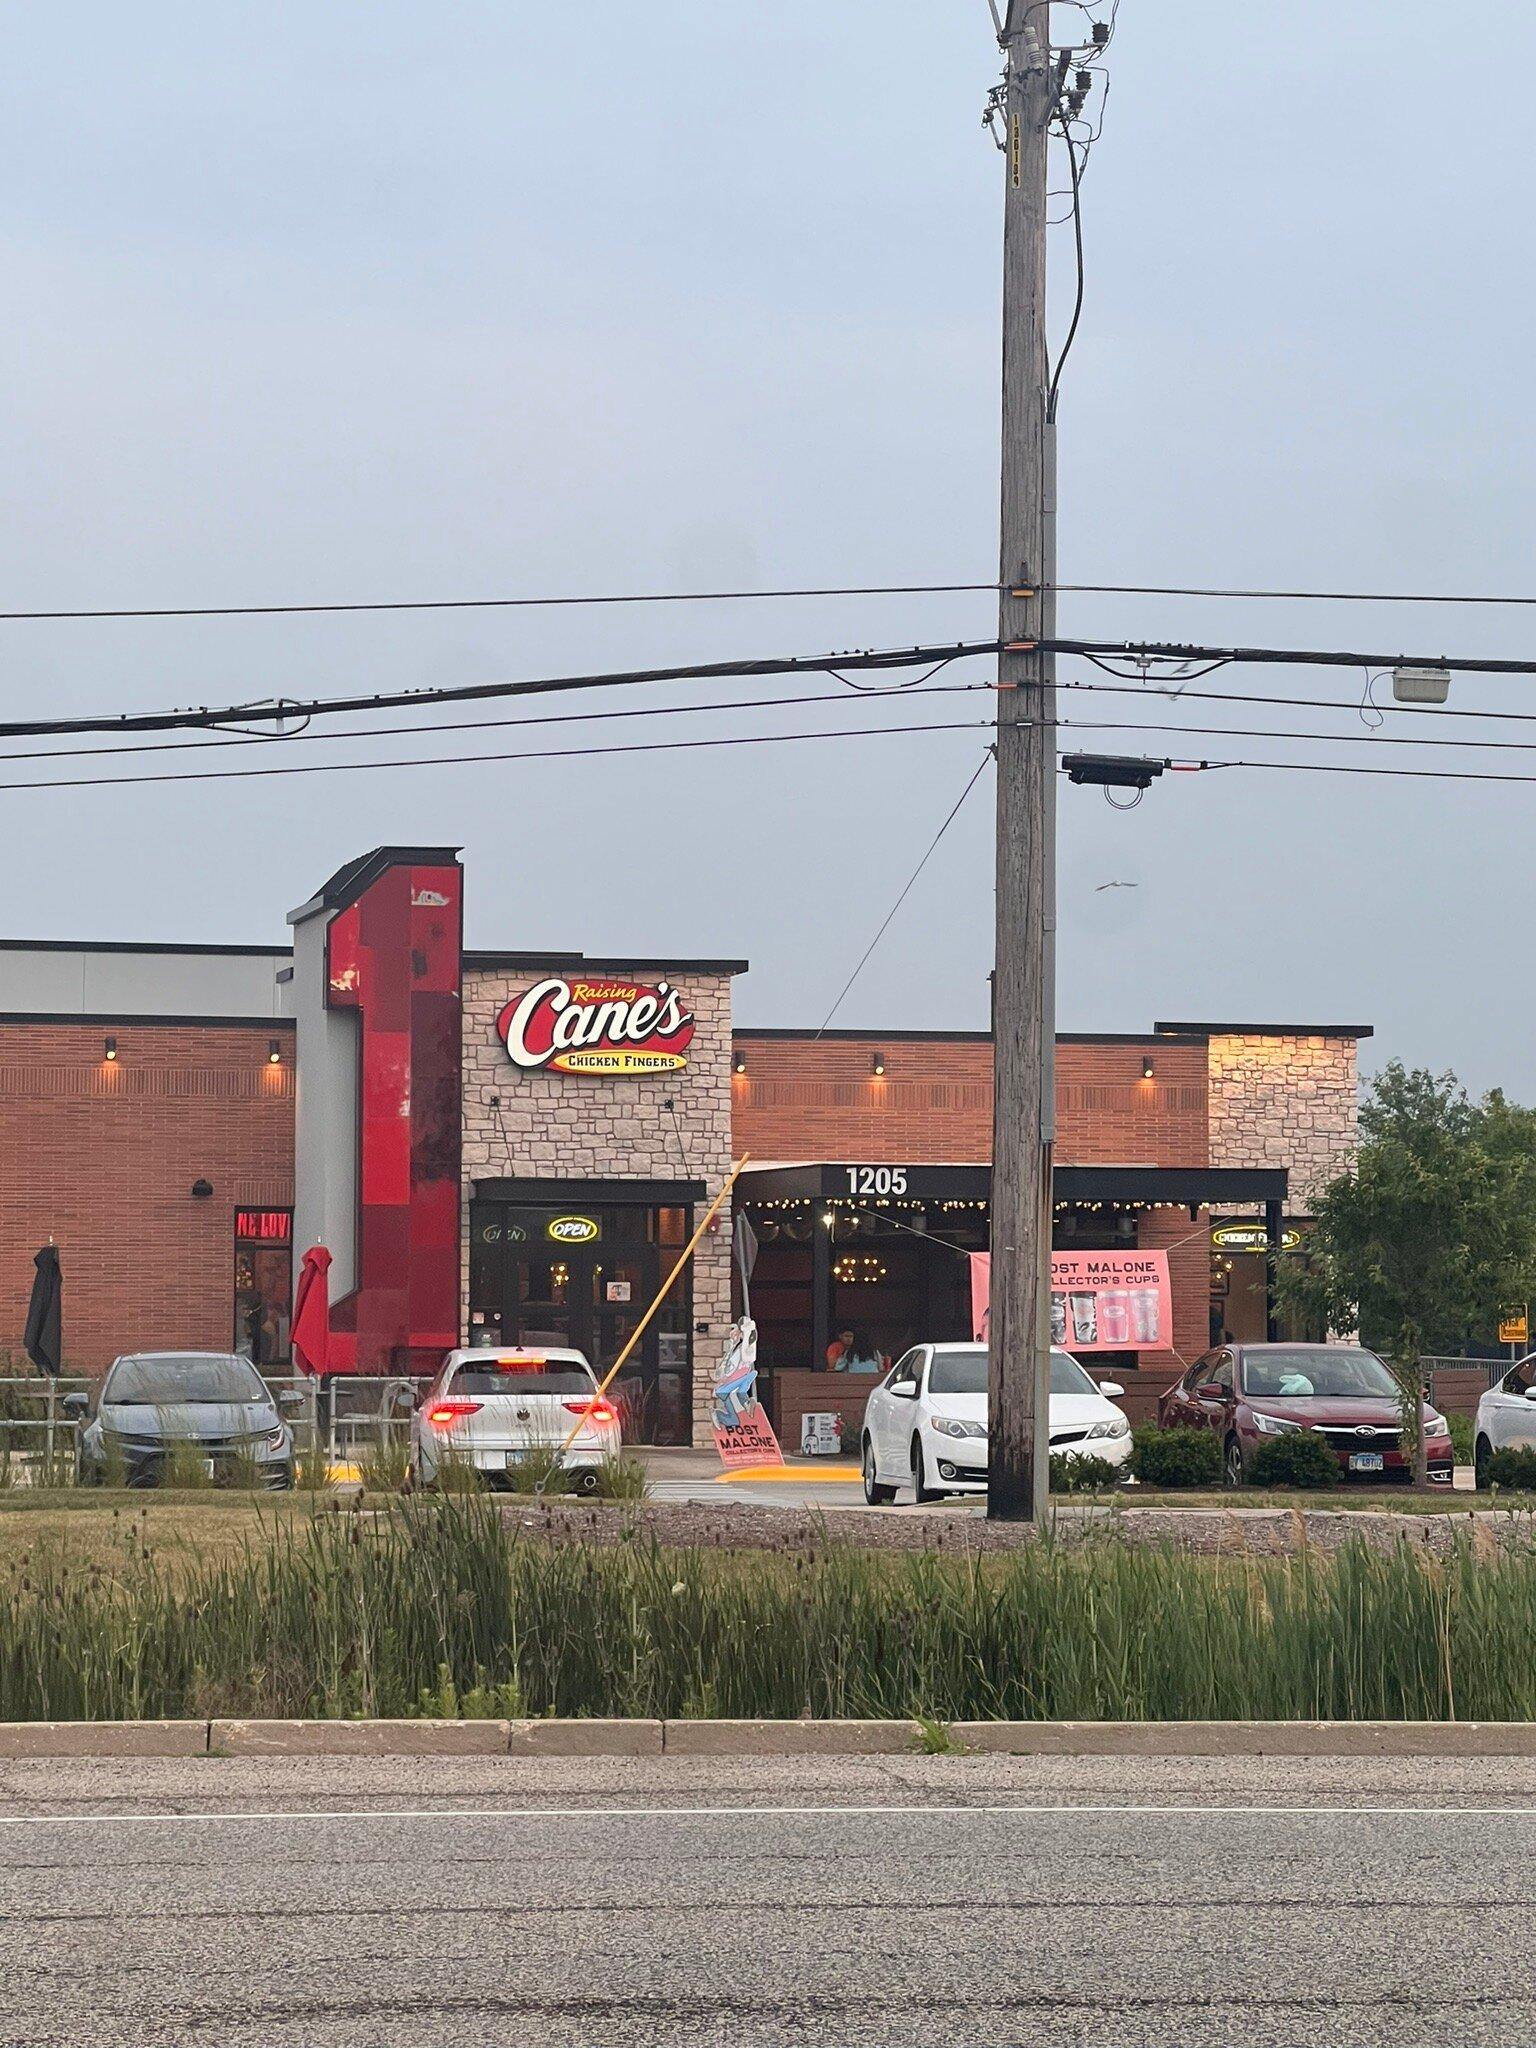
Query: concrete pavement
x=831, y=1902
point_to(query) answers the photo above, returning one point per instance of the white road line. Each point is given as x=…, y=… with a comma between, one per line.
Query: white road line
x=1312, y=1812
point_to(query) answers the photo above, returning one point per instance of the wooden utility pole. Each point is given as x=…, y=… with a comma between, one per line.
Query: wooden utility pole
x=1024, y=1112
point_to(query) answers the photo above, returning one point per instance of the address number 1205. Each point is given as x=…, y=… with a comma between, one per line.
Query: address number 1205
x=877, y=1180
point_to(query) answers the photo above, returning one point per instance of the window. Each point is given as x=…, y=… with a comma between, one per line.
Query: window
x=1339, y=1373
x=263, y=1285
x=173, y=1380
x=1220, y=1373
x=524, y=1376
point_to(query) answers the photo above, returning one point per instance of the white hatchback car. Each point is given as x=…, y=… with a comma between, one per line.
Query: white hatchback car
x=487, y=1409
x=925, y=1425
x=1506, y=1415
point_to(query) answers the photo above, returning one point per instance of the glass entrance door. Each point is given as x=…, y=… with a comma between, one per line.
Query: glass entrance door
x=585, y=1281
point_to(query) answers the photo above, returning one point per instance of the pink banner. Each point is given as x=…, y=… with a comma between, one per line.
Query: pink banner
x=1100, y=1301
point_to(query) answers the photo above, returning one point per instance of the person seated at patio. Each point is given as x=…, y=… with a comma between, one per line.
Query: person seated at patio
x=859, y=1354
x=838, y=1350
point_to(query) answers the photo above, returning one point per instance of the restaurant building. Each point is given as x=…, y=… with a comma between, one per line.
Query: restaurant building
x=515, y=1146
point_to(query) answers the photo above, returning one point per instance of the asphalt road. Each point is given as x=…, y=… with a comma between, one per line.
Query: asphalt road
x=680, y=1901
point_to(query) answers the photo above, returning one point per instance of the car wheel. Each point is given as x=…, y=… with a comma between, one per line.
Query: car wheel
x=1480, y=1459
x=876, y=1494
x=922, y=1491
x=1232, y=1473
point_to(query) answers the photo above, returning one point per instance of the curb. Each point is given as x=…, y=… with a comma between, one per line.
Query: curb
x=718, y=1738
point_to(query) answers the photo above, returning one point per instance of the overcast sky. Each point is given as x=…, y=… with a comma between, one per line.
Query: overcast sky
x=323, y=301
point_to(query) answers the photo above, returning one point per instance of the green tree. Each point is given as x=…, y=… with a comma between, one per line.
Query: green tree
x=1431, y=1233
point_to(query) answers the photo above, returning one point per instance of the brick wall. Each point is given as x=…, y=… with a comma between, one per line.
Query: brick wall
x=103, y=1156
x=1289, y=1102
x=574, y=1127
x=809, y=1099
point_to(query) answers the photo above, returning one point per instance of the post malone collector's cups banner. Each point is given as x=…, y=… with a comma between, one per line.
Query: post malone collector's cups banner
x=1100, y=1301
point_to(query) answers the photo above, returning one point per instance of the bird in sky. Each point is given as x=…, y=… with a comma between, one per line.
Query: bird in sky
x=1099, y=891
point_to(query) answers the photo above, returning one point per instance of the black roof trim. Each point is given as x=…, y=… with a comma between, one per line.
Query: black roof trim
x=476, y=961
x=789, y=1033
x=350, y=881
x=1267, y=1030
x=178, y=946
x=120, y=1018
x=594, y=1194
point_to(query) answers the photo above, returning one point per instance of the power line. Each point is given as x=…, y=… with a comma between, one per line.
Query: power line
x=1338, y=739
x=487, y=604
x=1282, y=657
x=282, y=741
x=1352, y=704
x=472, y=760
x=906, y=891
x=1295, y=596
x=344, y=607
x=465, y=693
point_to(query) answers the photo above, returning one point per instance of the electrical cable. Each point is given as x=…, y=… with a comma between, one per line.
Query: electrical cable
x=906, y=891
x=641, y=597
x=467, y=693
x=282, y=741
x=471, y=760
x=1077, y=236
x=1440, y=711
x=1249, y=732
x=473, y=604
x=1274, y=657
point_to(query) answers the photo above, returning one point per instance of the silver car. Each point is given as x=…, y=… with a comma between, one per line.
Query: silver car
x=211, y=1406
x=488, y=1409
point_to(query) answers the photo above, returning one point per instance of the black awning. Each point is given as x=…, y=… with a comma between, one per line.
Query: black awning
x=1207, y=1186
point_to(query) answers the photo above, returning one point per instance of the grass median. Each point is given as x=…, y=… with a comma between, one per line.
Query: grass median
x=440, y=1607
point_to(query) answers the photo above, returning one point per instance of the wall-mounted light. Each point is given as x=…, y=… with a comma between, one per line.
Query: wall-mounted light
x=1146, y=1066
x=274, y=1051
x=741, y=1063
x=109, y=1049
x=877, y=1063
x=829, y=1217
x=201, y=1190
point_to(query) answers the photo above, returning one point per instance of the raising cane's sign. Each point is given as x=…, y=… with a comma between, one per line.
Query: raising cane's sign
x=597, y=1027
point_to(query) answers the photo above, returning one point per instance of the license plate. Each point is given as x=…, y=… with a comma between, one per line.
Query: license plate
x=1366, y=1461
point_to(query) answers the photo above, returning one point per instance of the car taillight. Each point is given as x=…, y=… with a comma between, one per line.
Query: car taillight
x=447, y=1413
x=594, y=1411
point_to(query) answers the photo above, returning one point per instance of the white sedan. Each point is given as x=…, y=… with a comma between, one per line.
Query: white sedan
x=925, y=1425
x=1506, y=1415
x=487, y=1409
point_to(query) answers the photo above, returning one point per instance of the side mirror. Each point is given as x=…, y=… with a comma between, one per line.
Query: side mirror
x=291, y=1403
x=1209, y=1391
x=1111, y=1389
x=405, y=1398
x=1530, y=1393
x=75, y=1406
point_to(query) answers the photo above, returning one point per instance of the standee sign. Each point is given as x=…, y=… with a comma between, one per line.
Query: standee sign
x=597, y=1027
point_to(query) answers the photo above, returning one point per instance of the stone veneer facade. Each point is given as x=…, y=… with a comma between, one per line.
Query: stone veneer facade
x=1289, y=1101
x=571, y=1127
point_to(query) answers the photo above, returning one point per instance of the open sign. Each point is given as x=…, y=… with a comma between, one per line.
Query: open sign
x=573, y=1230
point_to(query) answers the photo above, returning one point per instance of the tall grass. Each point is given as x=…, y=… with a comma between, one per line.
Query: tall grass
x=440, y=1601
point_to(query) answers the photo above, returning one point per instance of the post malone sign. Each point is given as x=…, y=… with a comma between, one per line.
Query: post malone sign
x=1100, y=1301
x=597, y=1027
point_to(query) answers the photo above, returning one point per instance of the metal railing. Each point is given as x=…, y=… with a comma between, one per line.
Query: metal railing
x=348, y=1419
x=1491, y=1370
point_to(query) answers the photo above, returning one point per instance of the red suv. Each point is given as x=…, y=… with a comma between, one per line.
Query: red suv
x=1250, y=1393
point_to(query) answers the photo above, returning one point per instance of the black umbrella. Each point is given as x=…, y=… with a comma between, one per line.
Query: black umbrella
x=44, y=1337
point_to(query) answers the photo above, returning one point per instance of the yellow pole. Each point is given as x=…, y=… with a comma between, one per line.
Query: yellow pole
x=666, y=1288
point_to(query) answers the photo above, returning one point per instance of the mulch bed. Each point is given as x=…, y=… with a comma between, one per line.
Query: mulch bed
x=746, y=1525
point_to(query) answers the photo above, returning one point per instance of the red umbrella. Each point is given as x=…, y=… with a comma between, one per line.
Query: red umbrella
x=311, y=1333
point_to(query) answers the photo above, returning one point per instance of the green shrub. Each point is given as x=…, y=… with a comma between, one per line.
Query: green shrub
x=383, y=1464
x=1513, y=1469
x=622, y=1478
x=1175, y=1457
x=1302, y=1459
x=1085, y=1474
x=537, y=1471
x=1461, y=1438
